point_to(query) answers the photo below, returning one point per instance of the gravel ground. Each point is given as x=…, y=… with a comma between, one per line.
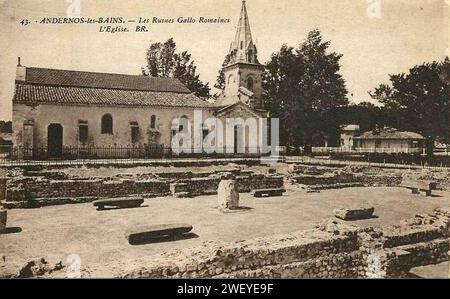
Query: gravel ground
x=98, y=237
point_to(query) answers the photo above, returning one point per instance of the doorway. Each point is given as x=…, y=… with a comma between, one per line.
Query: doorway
x=54, y=141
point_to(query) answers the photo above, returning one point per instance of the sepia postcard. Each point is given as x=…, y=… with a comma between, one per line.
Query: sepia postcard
x=222, y=140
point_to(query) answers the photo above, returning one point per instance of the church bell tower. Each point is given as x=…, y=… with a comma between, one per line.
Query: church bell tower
x=243, y=73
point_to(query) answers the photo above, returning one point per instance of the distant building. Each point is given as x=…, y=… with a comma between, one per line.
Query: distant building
x=348, y=134
x=390, y=140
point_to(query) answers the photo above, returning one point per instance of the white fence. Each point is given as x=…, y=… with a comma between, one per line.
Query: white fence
x=360, y=150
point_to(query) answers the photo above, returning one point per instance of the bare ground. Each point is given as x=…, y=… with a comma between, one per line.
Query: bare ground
x=98, y=237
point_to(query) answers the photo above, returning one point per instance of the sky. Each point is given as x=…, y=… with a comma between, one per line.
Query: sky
x=404, y=33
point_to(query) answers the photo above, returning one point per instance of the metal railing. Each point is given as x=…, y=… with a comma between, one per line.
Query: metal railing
x=10, y=155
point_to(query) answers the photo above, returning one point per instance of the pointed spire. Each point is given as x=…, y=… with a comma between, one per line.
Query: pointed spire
x=243, y=49
x=243, y=32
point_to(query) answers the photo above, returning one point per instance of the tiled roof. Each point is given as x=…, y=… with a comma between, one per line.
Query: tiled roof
x=390, y=134
x=39, y=94
x=350, y=128
x=43, y=76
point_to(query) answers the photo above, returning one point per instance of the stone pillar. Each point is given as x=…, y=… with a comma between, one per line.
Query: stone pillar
x=227, y=195
x=3, y=214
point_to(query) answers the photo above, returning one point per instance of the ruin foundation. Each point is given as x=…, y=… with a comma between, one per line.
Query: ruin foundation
x=36, y=189
x=330, y=251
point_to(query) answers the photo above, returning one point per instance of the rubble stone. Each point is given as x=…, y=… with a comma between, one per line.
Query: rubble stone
x=228, y=195
x=350, y=214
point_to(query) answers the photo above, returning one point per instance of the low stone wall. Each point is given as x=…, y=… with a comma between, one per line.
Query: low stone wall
x=35, y=191
x=340, y=252
x=324, y=179
x=277, y=256
x=31, y=192
x=202, y=186
x=245, y=184
x=341, y=177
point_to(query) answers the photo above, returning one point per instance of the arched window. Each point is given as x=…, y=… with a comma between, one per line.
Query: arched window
x=250, y=83
x=153, y=122
x=107, y=124
x=250, y=56
x=230, y=79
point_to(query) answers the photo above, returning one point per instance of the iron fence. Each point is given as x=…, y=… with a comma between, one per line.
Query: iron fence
x=10, y=155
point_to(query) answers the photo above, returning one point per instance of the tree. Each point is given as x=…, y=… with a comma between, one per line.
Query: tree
x=302, y=87
x=419, y=101
x=5, y=126
x=220, y=82
x=364, y=114
x=164, y=61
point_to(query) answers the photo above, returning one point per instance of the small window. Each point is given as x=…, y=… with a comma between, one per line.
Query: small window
x=83, y=131
x=153, y=122
x=242, y=45
x=107, y=124
x=134, y=131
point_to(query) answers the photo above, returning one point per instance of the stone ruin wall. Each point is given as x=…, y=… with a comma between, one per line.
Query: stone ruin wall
x=333, y=250
x=50, y=188
x=331, y=177
x=335, y=177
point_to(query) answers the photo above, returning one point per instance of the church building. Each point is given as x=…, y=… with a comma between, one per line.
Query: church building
x=56, y=109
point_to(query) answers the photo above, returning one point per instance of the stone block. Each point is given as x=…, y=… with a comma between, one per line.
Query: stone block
x=178, y=187
x=125, y=202
x=227, y=195
x=152, y=232
x=350, y=214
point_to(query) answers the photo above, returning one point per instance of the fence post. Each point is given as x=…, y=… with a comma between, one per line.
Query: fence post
x=448, y=254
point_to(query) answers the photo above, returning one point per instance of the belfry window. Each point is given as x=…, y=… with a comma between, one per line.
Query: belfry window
x=107, y=124
x=250, y=83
